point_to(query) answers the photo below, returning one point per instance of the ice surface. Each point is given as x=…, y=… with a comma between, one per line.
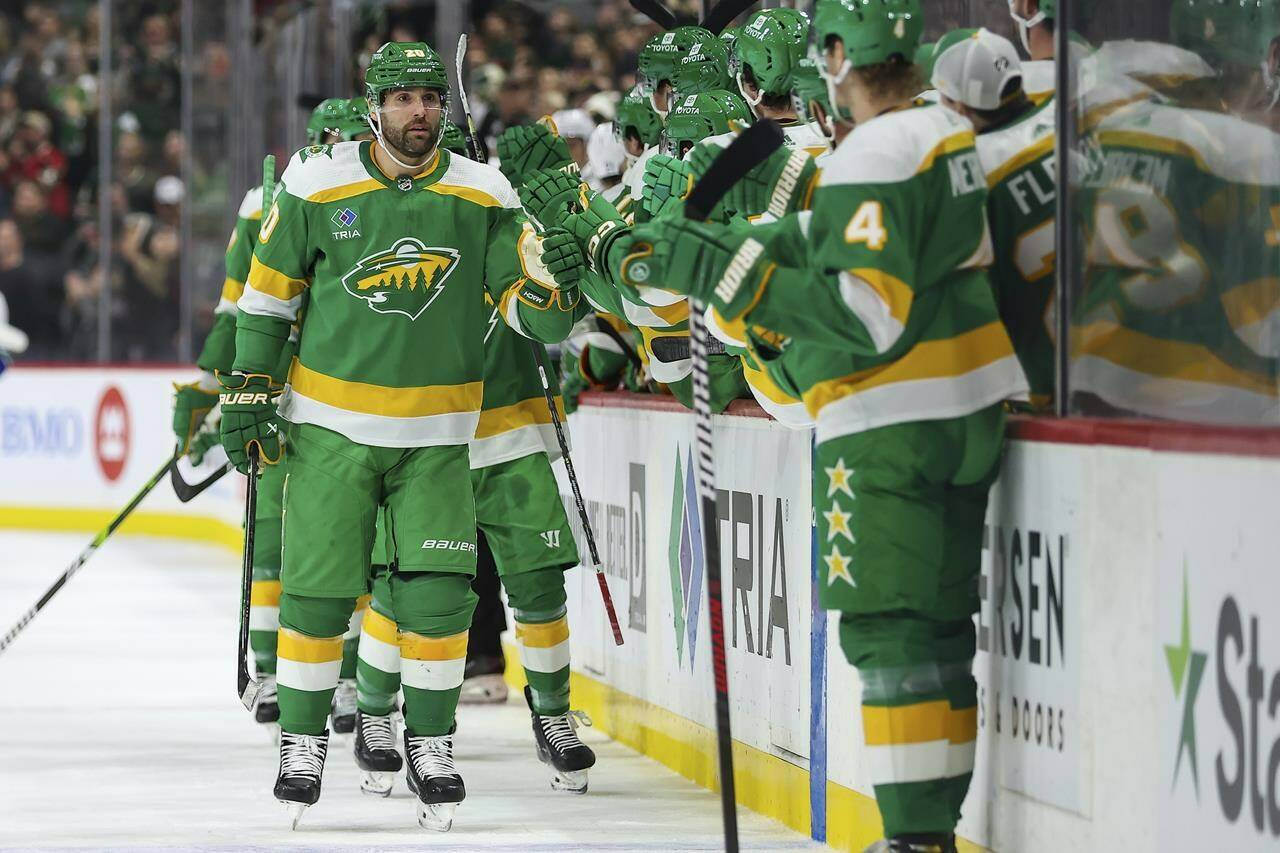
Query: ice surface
x=120, y=729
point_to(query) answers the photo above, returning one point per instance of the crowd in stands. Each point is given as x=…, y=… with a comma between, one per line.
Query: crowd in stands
x=524, y=64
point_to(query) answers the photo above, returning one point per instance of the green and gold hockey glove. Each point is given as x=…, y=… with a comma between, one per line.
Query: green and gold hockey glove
x=665, y=178
x=778, y=186
x=711, y=262
x=528, y=148
x=249, y=417
x=549, y=196
x=562, y=257
x=191, y=405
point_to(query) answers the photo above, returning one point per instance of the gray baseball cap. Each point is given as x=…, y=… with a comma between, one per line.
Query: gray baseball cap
x=973, y=67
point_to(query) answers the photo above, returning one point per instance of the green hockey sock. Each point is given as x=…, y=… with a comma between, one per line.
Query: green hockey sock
x=542, y=633
x=433, y=611
x=378, y=669
x=310, y=659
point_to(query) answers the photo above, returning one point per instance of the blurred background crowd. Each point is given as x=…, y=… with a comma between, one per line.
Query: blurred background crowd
x=526, y=60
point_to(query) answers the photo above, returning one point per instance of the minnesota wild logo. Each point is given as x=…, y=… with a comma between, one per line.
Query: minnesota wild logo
x=404, y=279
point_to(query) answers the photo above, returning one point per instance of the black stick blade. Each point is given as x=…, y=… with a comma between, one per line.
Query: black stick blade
x=720, y=15
x=752, y=147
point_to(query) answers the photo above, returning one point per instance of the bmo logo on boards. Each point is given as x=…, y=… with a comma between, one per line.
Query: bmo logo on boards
x=111, y=433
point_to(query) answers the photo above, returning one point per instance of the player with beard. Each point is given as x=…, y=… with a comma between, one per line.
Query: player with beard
x=393, y=245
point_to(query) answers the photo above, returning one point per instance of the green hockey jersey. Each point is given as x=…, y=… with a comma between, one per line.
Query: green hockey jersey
x=1180, y=311
x=892, y=317
x=219, y=348
x=391, y=349
x=1018, y=159
x=514, y=419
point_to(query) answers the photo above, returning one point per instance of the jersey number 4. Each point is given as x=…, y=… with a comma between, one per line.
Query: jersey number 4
x=867, y=226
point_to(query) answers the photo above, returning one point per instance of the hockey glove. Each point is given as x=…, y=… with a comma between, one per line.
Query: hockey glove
x=191, y=405
x=249, y=417
x=665, y=178
x=708, y=261
x=549, y=196
x=778, y=186
x=528, y=148
x=563, y=259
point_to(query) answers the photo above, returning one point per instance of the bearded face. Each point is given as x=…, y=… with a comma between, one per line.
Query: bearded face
x=411, y=120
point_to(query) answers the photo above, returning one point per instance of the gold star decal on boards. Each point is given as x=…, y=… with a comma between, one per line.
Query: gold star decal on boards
x=838, y=567
x=838, y=478
x=838, y=522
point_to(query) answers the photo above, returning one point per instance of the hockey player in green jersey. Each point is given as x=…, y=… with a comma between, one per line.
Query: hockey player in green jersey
x=392, y=245
x=521, y=515
x=978, y=75
x=1179, y=311
x=332, y=120
x=892, y=336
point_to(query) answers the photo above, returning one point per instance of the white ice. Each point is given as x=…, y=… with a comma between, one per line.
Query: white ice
x=120, y=729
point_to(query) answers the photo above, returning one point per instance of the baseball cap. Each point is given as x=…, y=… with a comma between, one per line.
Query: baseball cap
x=973, y=67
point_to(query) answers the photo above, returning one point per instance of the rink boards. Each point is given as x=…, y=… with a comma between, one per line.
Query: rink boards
x=1129, y=667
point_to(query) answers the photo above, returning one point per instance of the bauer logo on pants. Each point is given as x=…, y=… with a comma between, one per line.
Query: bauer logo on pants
x=402, y=279
x=111, y=433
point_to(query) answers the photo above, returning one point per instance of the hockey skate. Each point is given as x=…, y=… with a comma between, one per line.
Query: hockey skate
x=376, y=754
x=558, y=745
x=483, y=683
x=344, y=707
x=432, y=776
x=301, y=766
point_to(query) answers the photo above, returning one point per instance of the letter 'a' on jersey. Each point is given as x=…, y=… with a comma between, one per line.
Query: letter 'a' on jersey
x=388, y=269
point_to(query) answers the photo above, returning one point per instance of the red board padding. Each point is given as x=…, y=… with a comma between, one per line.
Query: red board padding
x=1150, y=435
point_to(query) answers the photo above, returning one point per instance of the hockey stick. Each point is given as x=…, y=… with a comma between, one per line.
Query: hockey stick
x=246, y=687
x=474, y=150
x=749, y=150
x=185, y=491
x=473, y=146
x=723, y=13
x=86, y=553
x=577, y=499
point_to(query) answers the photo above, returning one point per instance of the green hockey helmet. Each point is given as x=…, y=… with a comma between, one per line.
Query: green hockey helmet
x=699, y=116
x=808, y=88
x=355, y=119
x=1046, y=10
x=770, y=45
x=636, y=113
x=729, y=35
x=703, y=68
x=326, y=120
x=404, y=65
x=872, y=30
x=656, y=62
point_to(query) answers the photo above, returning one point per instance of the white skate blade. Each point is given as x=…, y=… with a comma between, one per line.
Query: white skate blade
x=377, y=782
x=295, y=813
x=436, y=816
x=483, y=690
x=573, y=781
